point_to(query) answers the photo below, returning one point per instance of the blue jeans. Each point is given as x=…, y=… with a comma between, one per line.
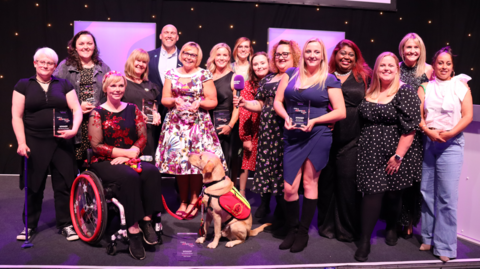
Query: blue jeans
x=442, y=165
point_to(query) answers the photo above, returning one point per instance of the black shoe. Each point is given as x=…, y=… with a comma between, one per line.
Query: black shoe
x=136, y=246
x=301, y=239
x=149, y=234
x=391, y=237
x=362, y=252
x=264, y=207
x=292, y=223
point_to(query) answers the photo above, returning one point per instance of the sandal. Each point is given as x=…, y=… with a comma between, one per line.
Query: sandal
x=181, y=213
x=191, y=215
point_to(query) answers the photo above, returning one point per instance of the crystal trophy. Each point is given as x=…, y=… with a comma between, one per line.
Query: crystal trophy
x=299, y=113
x=149, y=107
x=62, y=120
x=186, y=247
x=91, y=101
x=221, y=118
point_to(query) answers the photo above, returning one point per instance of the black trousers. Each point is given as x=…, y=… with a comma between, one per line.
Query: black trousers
x=140, y=194
x=61, y=192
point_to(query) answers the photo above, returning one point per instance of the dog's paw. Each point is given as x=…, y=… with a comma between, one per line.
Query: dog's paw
x=200, y=240
x=212, y=245
x=230, y=244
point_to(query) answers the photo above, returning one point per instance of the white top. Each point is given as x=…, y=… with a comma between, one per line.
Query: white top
x=166, y=62
x=443, y=102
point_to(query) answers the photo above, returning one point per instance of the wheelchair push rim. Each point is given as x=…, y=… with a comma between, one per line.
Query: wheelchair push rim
x=88, y=208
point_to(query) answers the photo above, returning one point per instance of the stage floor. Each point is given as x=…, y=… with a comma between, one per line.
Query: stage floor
x=52, y=250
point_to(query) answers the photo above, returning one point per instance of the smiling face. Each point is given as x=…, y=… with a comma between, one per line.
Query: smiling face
x=44, y=66
x=313, y=55
x=222, y=58
x=189, y=57
x=260, y=66
x=411, y=52
x=139, y=67
x=345, y=59
x=243, y=50
x=85, y=46
x=283, y=58
x=443, y=66
x=387, y=69
x=169, y=36
x=115, y=90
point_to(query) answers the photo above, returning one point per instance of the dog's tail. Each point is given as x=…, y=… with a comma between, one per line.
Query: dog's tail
x=258, y=230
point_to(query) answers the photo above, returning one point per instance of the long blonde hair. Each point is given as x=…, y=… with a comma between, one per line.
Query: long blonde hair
x=137, y=54
x=376, y=84
x=322, y=71
x=235, y=48
x=211, y=66
x=421, y=61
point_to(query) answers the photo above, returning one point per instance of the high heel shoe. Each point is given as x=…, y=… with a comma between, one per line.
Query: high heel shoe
x=181, y=213
x=192, y=214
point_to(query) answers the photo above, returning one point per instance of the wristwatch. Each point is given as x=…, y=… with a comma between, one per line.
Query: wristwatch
x=398, y=157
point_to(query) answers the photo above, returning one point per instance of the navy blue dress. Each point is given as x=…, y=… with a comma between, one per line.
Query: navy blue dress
x=314, y=145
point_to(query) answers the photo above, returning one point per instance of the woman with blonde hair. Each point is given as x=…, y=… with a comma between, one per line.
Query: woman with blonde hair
x=415, y=72
x=386, y=163
x=188, y=92
x=242, y=54
x=306, y=92
x=219, y=65
x=140, y=91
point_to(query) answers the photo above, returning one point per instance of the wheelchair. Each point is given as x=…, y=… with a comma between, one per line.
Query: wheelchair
x=90, y=202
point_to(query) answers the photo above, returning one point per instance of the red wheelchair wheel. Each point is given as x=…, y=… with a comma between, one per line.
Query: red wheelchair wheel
x=88, y=208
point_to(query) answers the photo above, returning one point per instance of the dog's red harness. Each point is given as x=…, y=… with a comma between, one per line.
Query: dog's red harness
x=232, y=202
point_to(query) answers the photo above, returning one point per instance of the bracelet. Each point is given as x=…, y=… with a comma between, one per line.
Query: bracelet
x=229, y=126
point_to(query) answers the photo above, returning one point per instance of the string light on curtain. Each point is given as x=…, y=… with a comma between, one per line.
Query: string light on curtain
x=381, y=13
x=371, y=40
x=253, y=42
x=49, y=25
x=400, y=18
x=16, y=33
x=71, y=24
x=231, y=26
x=469, y=34
x=191, y=9
x=199, y=26
x=86, y=6
x=256, y=5
x=346, y=22
x=108, y=18
x=429, y=21
x=153, y=16
x=1, y=76
x=37, y=4
x=318, y=9
x=179, y=33
x=10, y=145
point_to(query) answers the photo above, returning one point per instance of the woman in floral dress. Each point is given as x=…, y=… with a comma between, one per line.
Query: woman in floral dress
x=189, y=93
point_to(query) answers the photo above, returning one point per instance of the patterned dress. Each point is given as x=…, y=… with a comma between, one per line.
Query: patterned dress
x=86, y=92
x=184, y=132
x=383, y=126
x=412, y=198
x=249, y=125
x=269, y=167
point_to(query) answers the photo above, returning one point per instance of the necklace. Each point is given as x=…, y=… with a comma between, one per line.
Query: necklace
x=43, y=82
x=342, y=75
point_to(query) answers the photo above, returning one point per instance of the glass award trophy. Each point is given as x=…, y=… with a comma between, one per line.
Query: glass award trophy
x=62, y=120
x=221, y=118
x=186, y=247
x=91, y=101
x=149, y=107
x=299, y=113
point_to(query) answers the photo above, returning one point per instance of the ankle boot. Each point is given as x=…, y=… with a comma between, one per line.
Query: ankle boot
x=308, y=210
x=291, y=216
x=363, y=250
x=264, y=207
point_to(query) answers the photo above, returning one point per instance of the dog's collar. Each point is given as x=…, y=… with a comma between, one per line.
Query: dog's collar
x=214, y=182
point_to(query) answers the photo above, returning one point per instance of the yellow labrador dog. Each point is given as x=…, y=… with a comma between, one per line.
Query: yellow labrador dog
x=217, y=184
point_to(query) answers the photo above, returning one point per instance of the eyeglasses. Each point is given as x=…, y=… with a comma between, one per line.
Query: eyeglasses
x=43, y=63
x=190, y=55
x=283, y=54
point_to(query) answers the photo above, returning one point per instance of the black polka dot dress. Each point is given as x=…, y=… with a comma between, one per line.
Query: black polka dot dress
x=381, y=131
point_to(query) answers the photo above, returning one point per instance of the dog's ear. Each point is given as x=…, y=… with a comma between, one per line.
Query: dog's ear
x=208, y=167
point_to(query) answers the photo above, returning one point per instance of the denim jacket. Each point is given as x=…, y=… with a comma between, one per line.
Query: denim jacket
x=72, y=74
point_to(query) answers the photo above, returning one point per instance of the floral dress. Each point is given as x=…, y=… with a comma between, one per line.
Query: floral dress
x=184, y=132
x=249, y=125
x=269, y=167
x=86, y=93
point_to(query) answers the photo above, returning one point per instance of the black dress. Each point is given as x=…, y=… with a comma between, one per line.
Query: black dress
x=230, y=143
x=412, y=197
x=135, y=93
x=46, y=151
x=86, y=94
x=269, y=167
x=139, y=193
x=381, y=131
x=338, y=199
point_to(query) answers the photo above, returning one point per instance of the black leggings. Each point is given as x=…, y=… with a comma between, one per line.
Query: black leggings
x=371, y=207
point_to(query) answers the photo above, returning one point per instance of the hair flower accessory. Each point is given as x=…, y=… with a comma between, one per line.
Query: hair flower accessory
x=111, y=73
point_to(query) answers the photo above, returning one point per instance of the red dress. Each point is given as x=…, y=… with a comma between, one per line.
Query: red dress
x=249, y=125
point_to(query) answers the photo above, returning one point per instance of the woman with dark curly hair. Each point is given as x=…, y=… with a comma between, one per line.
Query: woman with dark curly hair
x=85, y=70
